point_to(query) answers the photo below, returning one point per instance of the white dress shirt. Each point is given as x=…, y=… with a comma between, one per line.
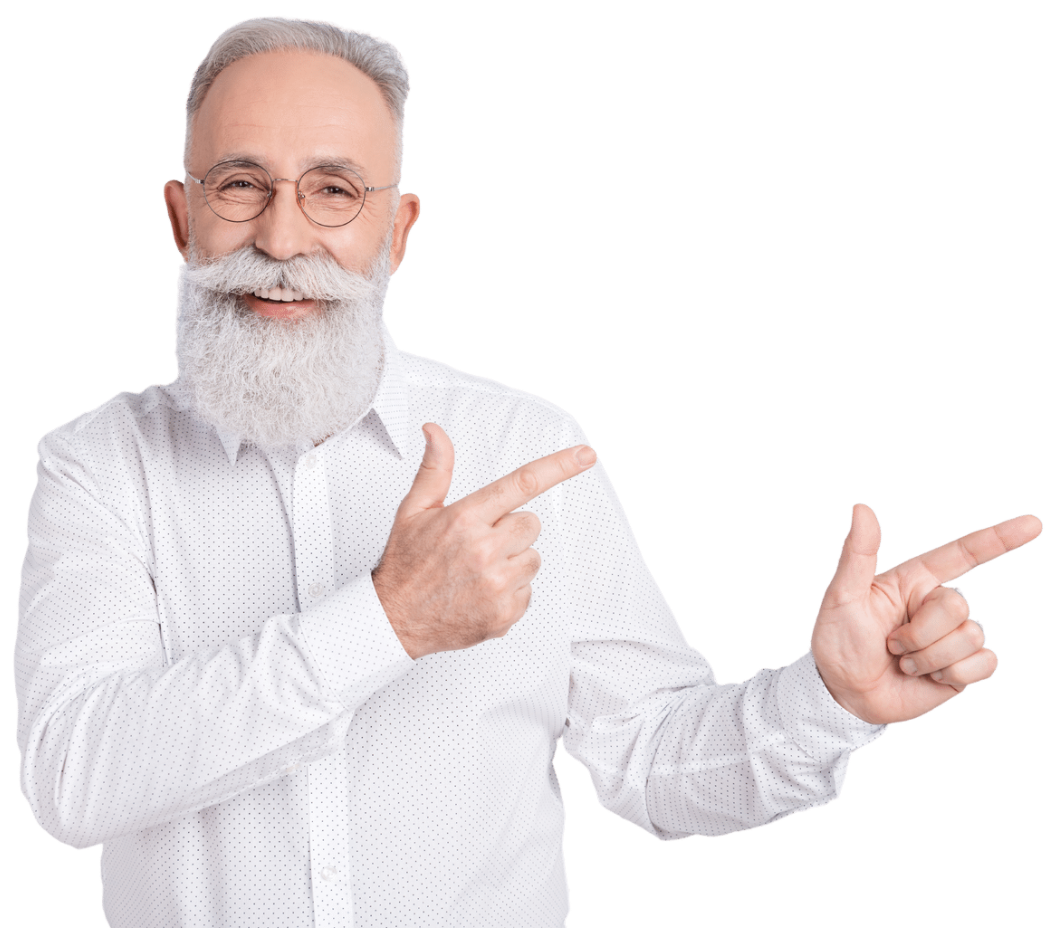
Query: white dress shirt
x=208, y=684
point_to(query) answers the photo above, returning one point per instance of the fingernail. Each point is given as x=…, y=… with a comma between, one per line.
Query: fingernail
x=896, y=647
x=936, y=676
x=908, y=665
x=428, y=437
x=585, y=456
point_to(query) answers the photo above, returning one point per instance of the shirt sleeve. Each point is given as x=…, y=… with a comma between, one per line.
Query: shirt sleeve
x=113, y=739
x=667, y=747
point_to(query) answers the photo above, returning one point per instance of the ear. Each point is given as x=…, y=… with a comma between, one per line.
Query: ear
x=176, y=201
x=406, y=215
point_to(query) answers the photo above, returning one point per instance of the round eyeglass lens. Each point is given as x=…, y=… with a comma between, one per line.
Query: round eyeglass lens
x=238, y=191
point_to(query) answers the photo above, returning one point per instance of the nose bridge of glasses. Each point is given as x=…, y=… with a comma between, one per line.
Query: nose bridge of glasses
x=296, y=189
x=289, y=180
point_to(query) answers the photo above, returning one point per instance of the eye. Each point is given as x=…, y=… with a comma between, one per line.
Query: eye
x=331, y=185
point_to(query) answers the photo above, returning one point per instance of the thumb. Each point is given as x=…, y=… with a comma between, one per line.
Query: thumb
x=857, y=564
x=433, y=479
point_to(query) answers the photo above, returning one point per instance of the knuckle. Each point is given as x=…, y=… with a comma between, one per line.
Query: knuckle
x=526, y=481
x=957, y=605
x=975, y=636
x=487, y=550
x=514, y=525
x=534, y=561
x=518, y=601
x=520, y=604
x=494, y=584
x=460, y=521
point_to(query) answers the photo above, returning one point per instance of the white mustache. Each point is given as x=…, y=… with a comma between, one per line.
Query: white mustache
x=316, y=276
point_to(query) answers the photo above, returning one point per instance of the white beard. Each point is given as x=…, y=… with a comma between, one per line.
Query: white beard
x=274, y=382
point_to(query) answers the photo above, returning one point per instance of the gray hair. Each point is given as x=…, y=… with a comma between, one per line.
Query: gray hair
x=376, y=59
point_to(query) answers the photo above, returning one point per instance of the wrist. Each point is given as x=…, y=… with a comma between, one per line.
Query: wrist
x=853, y=702
x=396, y=617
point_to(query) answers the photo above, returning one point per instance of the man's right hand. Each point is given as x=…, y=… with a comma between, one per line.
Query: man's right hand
x=453, y=576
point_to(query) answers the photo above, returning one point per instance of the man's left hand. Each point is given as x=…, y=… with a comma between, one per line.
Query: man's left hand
x=894, y=646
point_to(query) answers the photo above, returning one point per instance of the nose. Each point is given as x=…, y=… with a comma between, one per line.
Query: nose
x=283, y=231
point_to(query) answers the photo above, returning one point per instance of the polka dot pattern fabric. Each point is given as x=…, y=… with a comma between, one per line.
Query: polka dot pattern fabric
x=209, y=686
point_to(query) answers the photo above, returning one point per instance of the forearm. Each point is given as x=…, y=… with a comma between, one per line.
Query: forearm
x=711, y=759
x=107, y=753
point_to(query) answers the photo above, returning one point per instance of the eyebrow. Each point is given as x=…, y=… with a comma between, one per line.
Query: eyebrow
x=320, y=162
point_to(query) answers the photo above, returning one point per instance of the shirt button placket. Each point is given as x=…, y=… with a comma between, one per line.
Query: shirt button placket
x=312, y=529
x=329, y=820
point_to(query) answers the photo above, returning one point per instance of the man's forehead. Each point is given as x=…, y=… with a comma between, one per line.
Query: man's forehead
x=293, y=74
x=290, y=97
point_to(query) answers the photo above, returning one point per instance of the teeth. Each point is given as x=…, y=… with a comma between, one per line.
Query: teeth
x=280, y=294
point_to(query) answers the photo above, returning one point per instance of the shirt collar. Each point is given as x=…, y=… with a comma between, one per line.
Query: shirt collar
x=390, y=404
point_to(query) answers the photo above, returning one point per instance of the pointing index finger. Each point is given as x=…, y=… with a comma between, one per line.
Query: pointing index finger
x=525, y=483
x=957, y=557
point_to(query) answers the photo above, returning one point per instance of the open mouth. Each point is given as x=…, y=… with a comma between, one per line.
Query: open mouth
x=280, y=303
x=278, y=295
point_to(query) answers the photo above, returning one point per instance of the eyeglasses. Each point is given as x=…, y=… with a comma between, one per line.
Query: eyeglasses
x=329, y=195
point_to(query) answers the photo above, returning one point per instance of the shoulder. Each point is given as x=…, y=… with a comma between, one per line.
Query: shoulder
x=490, y=406
x=117, y=430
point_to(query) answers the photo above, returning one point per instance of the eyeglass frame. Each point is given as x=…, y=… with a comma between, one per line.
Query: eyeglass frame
x=300, y=196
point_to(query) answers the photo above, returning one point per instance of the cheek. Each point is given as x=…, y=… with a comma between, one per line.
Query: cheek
x=356, y=249
x=211, y=236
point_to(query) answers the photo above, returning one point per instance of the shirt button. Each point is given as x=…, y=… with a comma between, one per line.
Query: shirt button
x=328, y=874
x=311, y=460
x=315, y=589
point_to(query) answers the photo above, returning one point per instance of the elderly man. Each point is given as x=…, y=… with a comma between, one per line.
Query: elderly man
x=264, y=661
